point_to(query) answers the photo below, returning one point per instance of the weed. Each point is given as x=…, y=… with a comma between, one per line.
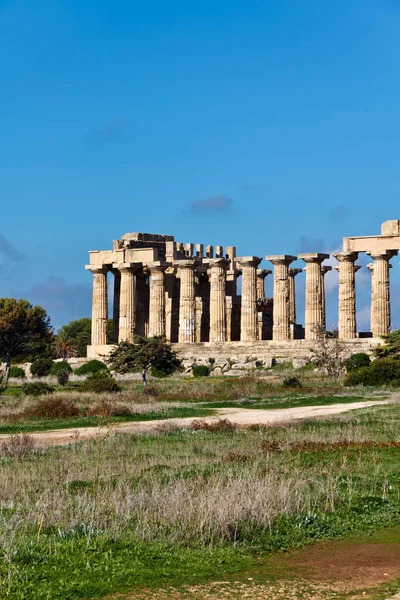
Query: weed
x=18, y=446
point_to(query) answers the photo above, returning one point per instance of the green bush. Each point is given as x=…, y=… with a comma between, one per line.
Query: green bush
x=293, y=382
x=201, y=371
x=37, y=388
x=380, y=372
x=60, y=366
x=16, y=372
x=356, y=361
x=100, y=382
x=92, y=366
x=161, y=369
x=41, y=367
x=62, y=378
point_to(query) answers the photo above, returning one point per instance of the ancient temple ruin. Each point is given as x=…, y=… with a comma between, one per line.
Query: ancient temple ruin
x=191, y=294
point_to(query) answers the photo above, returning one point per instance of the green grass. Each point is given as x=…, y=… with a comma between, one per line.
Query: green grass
x=289, y=402
x=33, y=424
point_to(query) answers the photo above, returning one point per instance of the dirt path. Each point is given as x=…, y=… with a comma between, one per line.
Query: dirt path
x=238, y=416
x=346, y=569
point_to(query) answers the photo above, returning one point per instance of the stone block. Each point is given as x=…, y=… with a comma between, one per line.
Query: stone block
x=298, y=363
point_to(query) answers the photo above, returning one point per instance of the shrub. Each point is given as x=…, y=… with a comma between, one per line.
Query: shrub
x=53, y=407
x=356, y=361
x=219, y=426
x=161, y=369
x=151, y=391
x=100, y=382
x=105, y=408
x=16, y=372
x=57, y=367
x=292, y=382
x=18, y=446
x=62, y=378
x=37, y=389
x=92, y=366
x=41, y=367
x=380, y=372
x=201, y=371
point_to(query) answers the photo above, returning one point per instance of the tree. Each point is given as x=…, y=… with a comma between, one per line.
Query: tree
x=391, y=347
x=145, y=353
x=329, y=353
x=23, y=329
x=78, y=334
x=64, y=346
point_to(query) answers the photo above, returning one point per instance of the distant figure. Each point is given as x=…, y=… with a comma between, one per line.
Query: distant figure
x=144, y=380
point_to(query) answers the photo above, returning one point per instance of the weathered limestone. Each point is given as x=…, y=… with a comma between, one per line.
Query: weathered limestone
x=157, y=298
x=314, y=317
x=172, y=293
x=117, y=290
x=347, y=294
x=218, y=268
x=142, y=303
x=324, y=270
x=261, y=275
x=248, y=316
x=292, y=294
x=126, y=327
x=281, y=323
x=187, y=304
x=99, y=305
x=380, y=293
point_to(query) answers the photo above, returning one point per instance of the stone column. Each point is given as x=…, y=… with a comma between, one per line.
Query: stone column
x=157, y=298
x=117, y=289
x=142, y=303
x=261, y=275
x=218, y=268
x=187, y=303
x=324, y=270
x=281, y=318
x=292, y=295
x=380, y=297
x=314, y=321
x=172, y=287
x=347, y=294
x=126, y=327
x=248, y=313
x=99, y=306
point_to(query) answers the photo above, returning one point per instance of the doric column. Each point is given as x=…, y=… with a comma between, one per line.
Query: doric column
x=380, y=297
x=324, y=270
x=187, y=303
x=117, y=290
x=126, y=328
x=347, y=294
x=314, y=321
x=292, y=295
x=157, y=298
x=261, y=275
x=248, y=313
x=217, y=299
x=142, y=303
x=281, y=318
x=172, y=286
x=99, y=306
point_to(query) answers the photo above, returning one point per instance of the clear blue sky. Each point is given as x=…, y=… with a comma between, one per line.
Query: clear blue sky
x=120, y=116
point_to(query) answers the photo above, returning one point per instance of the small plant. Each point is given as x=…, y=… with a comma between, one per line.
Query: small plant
x=37, y=388
x=92, y=366
x=53, y=408
x=292, y=382
x=62, y=378
x=356, y=361
x=105, y=408
x=201, y=371
x=16, y=372
x=219, y=426
x=100, y=382
x=58, y=367
x=151, y=391
x=41, y=367
x=18, y=446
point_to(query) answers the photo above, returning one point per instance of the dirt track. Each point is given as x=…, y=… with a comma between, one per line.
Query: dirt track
x=238, y=416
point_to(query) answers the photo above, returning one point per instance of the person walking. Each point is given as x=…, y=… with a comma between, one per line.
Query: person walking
x=144, y=379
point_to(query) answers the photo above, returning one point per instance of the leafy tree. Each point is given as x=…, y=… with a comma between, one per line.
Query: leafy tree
x=144, y=353
x=78, y=334
x=391, y=347
x=23, y=329
x=64, y=347
x=356, y=361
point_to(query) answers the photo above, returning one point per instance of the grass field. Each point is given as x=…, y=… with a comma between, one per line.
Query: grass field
x=188, y=506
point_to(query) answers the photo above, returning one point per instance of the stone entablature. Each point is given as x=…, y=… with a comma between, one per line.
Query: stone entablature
x=188, y=292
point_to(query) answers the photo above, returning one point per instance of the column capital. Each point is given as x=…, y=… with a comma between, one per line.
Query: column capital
x=126, y=266
x=384, y=255
x=103, y=269
x=187, y=263
x=262, y=273
x=281, y=259
x=249, y=261
x=294, y=272
x=218, y=262
x=346, y=256
x=158, y=266
x=325, y=269
x=314, y=257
